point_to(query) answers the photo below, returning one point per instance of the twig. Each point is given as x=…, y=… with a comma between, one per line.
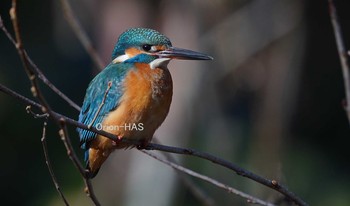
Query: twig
x=35, y=115
x=229, y=189
x=197, y=192
x=45, y=108
x=55, y=115
x=81, y=34
x=46, y=81
x=240, y=171
x=151, y=146
x=19, y=45
x=48, y=163
x=71, y=154
x=342, y=54
x=8, y=35
x=37, y=71
x=101, y=105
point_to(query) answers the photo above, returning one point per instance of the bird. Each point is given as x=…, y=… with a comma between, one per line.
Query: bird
x=131, y=96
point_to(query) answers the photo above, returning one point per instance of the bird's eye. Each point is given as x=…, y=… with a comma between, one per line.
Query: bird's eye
x=146, y=47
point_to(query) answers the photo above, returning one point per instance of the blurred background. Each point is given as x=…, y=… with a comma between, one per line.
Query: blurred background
x=270, y=101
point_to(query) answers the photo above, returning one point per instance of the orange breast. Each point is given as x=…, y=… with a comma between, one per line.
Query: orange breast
x=143, y=107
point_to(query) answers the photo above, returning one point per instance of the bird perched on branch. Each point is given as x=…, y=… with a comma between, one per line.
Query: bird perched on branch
x=131, y=97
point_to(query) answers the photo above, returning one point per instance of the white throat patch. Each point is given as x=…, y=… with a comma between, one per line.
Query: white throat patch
x=121, y=58
x=161, y=62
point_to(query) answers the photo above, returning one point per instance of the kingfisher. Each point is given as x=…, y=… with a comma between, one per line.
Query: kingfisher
x=131, y=97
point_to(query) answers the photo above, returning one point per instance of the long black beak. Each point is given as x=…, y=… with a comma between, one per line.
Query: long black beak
x=178, y=53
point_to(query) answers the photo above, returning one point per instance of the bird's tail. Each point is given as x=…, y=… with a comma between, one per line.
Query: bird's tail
x=95, y=158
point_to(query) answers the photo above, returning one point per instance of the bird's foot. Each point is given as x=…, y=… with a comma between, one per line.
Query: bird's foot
x=143, y=144
x=116, y=142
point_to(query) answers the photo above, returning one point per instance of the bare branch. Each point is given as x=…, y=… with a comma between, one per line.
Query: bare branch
x=71, y=154
x=101, y=105
x=197, y=192
x=46, y=81
x=229, y=189
x=45, y=108
x=81, y=34
x=48, y=163
x=8, y=35
x=240, y=171
x=342, y=54
x=19, y=45
x=37, y=71
x=35, y=115
x=273, y=184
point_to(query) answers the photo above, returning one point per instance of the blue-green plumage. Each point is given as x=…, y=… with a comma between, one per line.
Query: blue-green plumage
x=136, y=45
x=114, y=73
x=136, y=37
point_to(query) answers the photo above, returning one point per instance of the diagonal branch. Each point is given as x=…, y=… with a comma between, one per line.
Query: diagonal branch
x=228, y=189
x=37, y=71
x=19, y=45
x=197, y=192
x=71, y=154
x=273, y=184
x=342, y=54
x=101, y=105
x=81, y=34
x=45, y=108
x=41, y=76
x=48, y=163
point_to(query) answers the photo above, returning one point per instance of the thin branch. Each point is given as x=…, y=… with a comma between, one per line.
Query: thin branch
x=81, y=34
x=46, y=81
x=45, y=108
x=8, y=35
x=19, y=45
x=101, y=105
x=71, y=154
x=37, y=71
x=36, y=115
x=48, y=163
x=55, y=115
x=227, y=188
x=197, y=192
x=342, y=54
x=240, y=171
x=273, y=184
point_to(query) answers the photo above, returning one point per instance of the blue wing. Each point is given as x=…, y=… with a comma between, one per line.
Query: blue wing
x=114, y=73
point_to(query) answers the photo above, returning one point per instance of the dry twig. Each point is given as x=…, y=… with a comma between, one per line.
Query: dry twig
x=37, y=71
x=45, y=108
x=81, y=34
x=71, y=154
x=201, y=195
x=273, y=184
x=225, y=187
x=48, y=163
x=101, y=105
x=342, y=54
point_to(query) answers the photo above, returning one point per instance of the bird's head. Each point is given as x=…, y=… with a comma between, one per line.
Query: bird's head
x=142, y=45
